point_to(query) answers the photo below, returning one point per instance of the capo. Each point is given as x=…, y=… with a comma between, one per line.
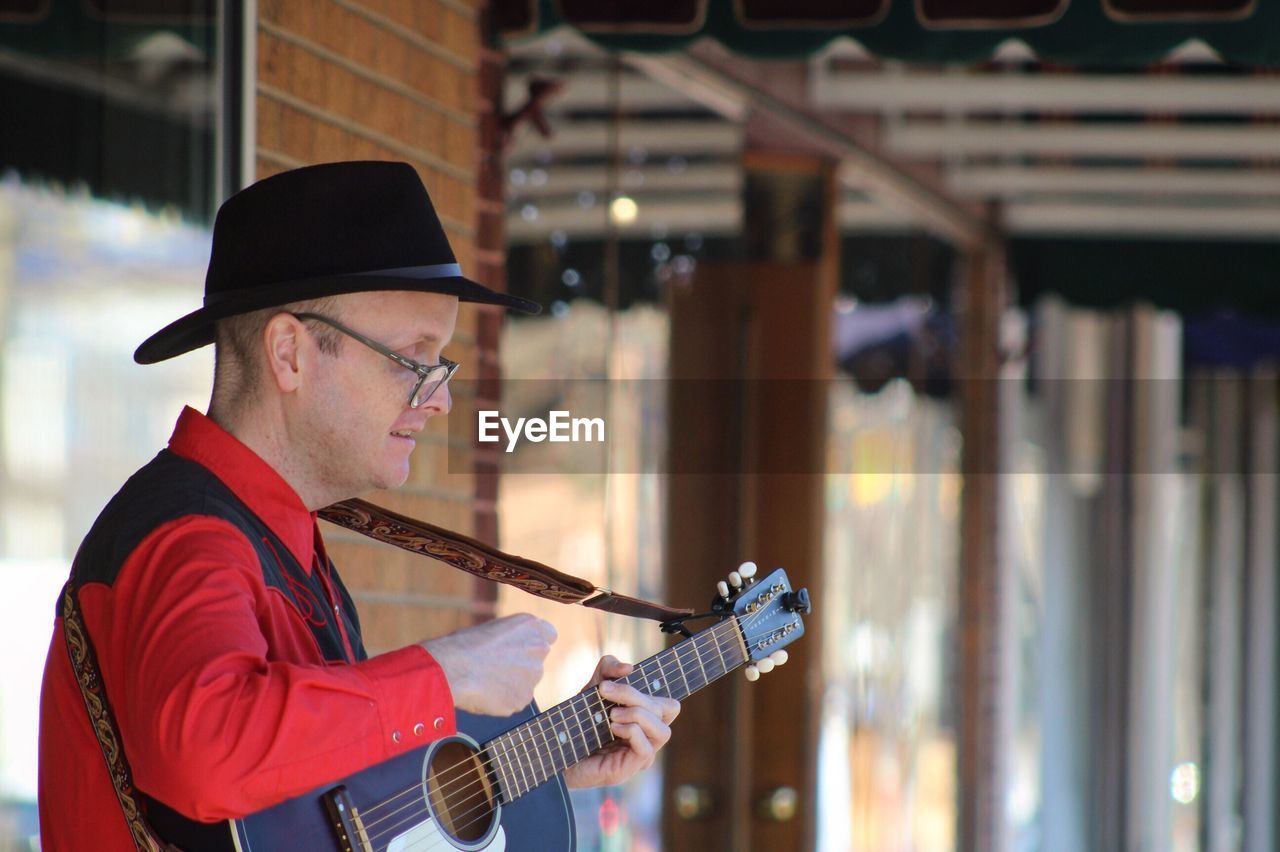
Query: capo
x=677, y=625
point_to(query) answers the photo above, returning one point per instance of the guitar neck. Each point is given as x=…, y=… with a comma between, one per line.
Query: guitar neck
x=569, y=732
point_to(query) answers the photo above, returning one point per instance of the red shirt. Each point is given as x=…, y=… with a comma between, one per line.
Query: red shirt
x=224, y=701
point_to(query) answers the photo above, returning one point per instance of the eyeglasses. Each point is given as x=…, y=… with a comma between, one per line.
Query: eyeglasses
x=431, y=377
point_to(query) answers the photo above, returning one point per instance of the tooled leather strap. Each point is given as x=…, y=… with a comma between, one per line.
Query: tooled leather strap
x=478, y=558
x=84, y=662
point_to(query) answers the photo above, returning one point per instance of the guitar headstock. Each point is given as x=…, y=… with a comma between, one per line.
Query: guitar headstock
x=769, y=612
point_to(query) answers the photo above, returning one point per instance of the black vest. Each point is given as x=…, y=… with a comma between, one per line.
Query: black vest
x=171, y=487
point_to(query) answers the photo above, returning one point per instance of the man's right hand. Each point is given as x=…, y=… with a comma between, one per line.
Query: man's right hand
x=493, y=667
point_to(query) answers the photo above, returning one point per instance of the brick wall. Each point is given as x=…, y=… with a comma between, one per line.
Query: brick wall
x=399, y=80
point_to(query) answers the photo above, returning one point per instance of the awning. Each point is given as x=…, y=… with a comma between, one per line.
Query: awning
x=1083, y=32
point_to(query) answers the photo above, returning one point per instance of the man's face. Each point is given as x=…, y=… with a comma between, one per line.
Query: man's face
x=361, y=427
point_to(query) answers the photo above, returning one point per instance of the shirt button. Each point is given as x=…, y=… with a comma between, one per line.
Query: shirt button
x=419, y=729
x=438, y=723
x=395, y=736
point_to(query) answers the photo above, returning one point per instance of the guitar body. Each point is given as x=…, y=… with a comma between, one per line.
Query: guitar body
x=539, y=821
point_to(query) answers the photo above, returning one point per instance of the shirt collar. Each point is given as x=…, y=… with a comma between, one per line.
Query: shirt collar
x=255, y=482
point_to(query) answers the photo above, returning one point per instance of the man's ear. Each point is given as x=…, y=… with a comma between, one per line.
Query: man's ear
x=282, y=342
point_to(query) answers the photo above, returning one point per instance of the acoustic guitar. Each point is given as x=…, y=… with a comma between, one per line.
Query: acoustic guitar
x=497, y=784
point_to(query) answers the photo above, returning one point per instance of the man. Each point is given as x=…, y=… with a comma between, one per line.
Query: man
x=229, y=650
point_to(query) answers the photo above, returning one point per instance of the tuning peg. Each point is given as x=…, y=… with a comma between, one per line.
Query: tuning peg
x=765, y=665
x=752, y=673
x=779, y=657
x=723, y=588
x=747, y=570
x=796, y=601
x=735, y=579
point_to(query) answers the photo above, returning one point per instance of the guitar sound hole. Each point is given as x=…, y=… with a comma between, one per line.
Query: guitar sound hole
x=461, y=793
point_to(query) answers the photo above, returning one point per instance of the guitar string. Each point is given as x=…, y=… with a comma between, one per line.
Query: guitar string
x=585, y=698
x=681, y=651
x=476, y=788
x=484, y=806
x=441, y=839
x=464, y=773
x=680, y=657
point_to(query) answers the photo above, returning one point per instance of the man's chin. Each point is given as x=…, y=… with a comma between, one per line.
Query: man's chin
x=396, y=474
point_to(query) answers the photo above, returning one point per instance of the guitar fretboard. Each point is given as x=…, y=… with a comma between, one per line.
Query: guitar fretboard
x=569, y=732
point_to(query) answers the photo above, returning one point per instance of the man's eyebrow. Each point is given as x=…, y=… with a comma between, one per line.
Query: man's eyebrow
x=427, y=337
x=415, y=336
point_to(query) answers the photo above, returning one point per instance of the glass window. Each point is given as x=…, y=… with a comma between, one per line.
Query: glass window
x=107, y=186
x=887, y=762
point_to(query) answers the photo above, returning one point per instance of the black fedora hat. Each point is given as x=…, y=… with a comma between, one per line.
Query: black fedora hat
x=321, y=231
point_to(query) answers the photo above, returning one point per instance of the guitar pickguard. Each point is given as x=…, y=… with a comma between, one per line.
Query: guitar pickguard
x=427, y=836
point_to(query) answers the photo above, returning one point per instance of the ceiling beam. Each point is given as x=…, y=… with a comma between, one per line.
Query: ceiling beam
x=894, y=90
x=593, y=90
x=1008, y=181
x=569, y=180
x=1153, y=221
x=976, y=138
x=721, y=216
x=652, y=136
x=710, y=217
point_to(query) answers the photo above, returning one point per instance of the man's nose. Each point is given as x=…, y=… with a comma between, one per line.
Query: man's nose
x=441, y=402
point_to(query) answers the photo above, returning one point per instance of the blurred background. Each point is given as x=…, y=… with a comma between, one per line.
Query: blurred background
x=967, y=314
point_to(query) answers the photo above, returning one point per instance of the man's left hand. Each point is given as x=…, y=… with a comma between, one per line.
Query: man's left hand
x=640, y=723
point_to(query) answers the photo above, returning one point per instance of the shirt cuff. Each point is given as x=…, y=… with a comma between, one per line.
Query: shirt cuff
x=414, y=702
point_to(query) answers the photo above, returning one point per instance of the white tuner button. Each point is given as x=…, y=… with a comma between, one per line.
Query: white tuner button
x=735, y=579
x=753, y=674
x=747, y=570
x=723, y=588
x=779, y=657
x=765, y=666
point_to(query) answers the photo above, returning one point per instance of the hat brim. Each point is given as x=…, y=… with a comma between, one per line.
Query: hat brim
x=197, y=328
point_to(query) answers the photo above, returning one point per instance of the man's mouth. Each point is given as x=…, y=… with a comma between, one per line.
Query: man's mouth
x=403, y=434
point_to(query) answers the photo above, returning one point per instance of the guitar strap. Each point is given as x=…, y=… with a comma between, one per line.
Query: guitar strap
x=478, y=558
x=84, y=662
x=460, y=551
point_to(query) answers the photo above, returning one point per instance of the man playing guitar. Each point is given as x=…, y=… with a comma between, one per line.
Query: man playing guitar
x=229, y=650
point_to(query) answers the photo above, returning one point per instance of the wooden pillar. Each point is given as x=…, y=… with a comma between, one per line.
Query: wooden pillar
x=750, y=355
x=491, y=271
x=983, y=598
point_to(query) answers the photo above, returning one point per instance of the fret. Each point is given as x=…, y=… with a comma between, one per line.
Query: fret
x=540, y=747
x=577, y=720
x=675, y=655
x=529, y=748
x=715, y=641
x=511, y=780
x=740, y=641
x=697, y=655
x=521, y=765
x=637, y=679
x=570, y=722
x=561, y=736
x=724, y=665
x=600, y=719
x=655, y=683
x=671, y=670
x=709, y=659
x=492, y=748
x=553, y=757
x=514, y=739
x=595, y=732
